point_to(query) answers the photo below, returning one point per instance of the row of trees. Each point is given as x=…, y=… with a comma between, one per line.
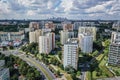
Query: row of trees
x=31, y=48
x=30, y=73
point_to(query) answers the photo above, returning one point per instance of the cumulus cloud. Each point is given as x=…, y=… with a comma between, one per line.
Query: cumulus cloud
x=77, y=9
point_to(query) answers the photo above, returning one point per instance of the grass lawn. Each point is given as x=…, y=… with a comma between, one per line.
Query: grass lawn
x=96, y=77
x=105, y=71
x=116, y=70
x=103, y=62
x=99, y=57
x=88, y=74
x=67, y=76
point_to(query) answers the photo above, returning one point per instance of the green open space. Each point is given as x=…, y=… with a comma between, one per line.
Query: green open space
x=103, y=70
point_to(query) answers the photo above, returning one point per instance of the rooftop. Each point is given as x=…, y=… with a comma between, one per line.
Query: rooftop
x=72, y=41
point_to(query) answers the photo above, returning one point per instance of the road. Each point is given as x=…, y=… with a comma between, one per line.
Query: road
x=86, y=66
x=83, y=74
x=33, y=62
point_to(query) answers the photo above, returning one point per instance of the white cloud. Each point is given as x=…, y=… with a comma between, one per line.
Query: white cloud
x=65, y=8
x=67, y=5
x=97, y=8
x=30, y=13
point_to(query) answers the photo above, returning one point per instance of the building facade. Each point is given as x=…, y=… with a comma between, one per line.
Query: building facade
x=50, y=25
x=115, y=37
x=64, y=35
x=114, y=49
x=34, y=26
x=70, y=53
x=85, y=43
x=34, y=36
x=8, y=36
x=89, y=30
x=46, y=43
x=68, y=27
x=114, y=54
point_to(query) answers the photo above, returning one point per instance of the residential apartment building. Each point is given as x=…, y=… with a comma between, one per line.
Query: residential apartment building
x=34, y=26
x=85, y=43
x=114, y=49
x=67, y=26
x=50, y=25
x=70, y=53
x=89, y=30
x=4, y=74
x=115, y=37
x=115, y=25
x=8, y=36
x=34, y=36
x=114, y=54
x=81, y=24
x=46, y=43
x=64, y=35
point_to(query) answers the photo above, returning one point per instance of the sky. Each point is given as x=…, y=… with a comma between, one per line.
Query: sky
x=71, y=9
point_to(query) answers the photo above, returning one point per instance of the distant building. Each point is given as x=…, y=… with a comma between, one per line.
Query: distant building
x=27, y=30
x=64, y=35
x=85, y=42
x=114, y=54
x=8, y=36
x=34, y=26
x=4, y=74
x=81, y=24
x=46, y=43
x=89, y=30
x=58, y=26
x=50, y=25
x=67, y=26
x=115, y=25
x=70, y=53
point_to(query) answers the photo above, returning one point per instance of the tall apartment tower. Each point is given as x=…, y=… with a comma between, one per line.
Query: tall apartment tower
x=70, y=53
x=85, y=43
x=114, y=54
x=114, y=49
x=46, y=43
x=115, y=37
x=64, y=35
x=34, y=36
x=89, y=30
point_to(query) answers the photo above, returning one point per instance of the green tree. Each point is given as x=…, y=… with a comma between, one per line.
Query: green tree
x=95, y=53
x=11, y=47
x=73, y=75
x=60, y=54
x=14, y=77
x=78, y=73
x=58, y=72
